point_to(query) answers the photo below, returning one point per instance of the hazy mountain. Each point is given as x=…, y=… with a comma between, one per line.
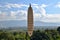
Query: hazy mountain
x=39, y=23
x=21, y=23
x=13, y=23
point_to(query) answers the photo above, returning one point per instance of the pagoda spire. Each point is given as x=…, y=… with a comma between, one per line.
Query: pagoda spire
x=30, y=5
x=30, y=20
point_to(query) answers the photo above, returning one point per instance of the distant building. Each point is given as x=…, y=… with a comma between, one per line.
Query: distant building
x=30, y=21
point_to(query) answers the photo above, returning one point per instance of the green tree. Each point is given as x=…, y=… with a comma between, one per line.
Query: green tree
x=37, y=35
x=58, y=29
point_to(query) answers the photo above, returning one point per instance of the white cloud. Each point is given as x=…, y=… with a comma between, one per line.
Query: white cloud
x=3, y=15
x=9, y=5
x=57, y=5
x=22, y=14
x=42, y=16
x=14, y=15
x=37, y=16
x=34, y=4
x=41, y=8
x=44, y=5
x=51, y=18
x=42, y=11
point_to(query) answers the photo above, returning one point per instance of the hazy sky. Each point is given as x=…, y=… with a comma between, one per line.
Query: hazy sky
x=44, y=10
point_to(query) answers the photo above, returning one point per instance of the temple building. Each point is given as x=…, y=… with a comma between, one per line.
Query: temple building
x=30, y=21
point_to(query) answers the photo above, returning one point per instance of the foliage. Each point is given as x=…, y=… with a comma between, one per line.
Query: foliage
x=58, y=29
x=37, y=35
